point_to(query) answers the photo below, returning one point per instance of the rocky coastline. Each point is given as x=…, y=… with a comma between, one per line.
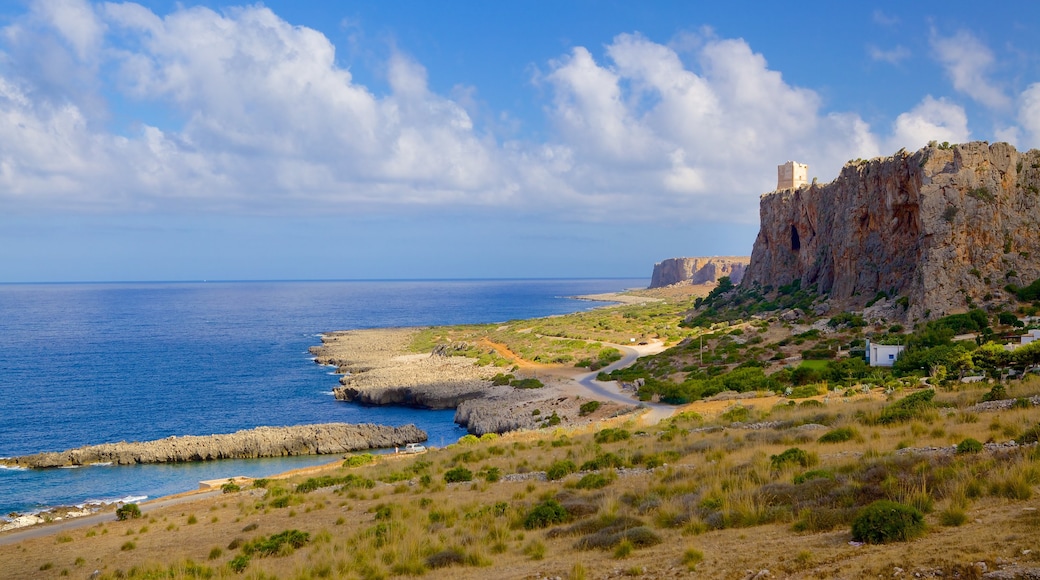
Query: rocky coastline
x=378, y=369
x=319, y=439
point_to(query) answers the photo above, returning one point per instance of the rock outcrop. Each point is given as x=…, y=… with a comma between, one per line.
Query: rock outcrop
x=698, y=270
x=320, y=439
x=938, y=230
x=377, y=370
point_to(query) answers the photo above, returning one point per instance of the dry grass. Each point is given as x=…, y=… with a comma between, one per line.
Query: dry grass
x=714, y=503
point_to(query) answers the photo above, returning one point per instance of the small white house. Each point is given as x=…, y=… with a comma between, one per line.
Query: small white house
x=1028, y=338
x=883, y=355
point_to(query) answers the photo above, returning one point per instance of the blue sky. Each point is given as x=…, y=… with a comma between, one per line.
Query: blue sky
x=414, y=139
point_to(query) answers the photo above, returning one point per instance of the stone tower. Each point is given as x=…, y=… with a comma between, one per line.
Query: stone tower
x=791, y=175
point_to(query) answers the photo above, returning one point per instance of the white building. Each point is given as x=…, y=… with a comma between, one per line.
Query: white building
x=1028, y=338
x=883, y=355
x=791, y=175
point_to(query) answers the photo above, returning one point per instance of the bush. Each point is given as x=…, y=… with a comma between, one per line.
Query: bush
x=526, y=384
x=588, y=408
x=792, y=456
x=907, y=408
x=545, y=514
x=128, y=511
x=887, y=521
x=501, y=379
x=611, y=435
x=239, y=563
x=359, y=460
x=839, y=435
x=279, y=544
x=969, y=445
x=230, y=487
x=997, y=393
x=594, y=481
x=1031, y=435
x=457, y=475
x=560, y=469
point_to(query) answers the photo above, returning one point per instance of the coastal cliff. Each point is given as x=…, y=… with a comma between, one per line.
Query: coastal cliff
x=937, y=231
x=698, y=270
x=320, y=439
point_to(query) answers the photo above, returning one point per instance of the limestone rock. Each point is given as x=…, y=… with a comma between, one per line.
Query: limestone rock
x=937, y=230
x=698, y=270
x=319, y=439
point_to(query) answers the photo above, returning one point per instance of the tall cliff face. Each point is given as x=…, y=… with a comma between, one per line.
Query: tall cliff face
x=944, y=228
x=698, y=270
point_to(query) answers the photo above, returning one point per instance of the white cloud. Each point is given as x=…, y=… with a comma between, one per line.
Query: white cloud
x=1029, y=114
x=259, y=117
x=931, y=120
x=968, y=61
x=893, y=55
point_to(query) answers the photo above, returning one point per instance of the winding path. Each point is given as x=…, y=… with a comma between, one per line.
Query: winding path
x=610, y=390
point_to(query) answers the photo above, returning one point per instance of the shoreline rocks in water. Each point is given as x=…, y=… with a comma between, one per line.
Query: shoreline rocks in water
x=319, y=439
x=377, y=369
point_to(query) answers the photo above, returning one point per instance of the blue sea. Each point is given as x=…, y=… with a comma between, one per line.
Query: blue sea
x=82, y=364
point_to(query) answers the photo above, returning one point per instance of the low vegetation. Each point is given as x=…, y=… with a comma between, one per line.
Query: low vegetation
x=801, y=450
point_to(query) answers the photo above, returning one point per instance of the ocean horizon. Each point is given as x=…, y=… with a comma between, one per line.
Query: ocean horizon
x=84, y=363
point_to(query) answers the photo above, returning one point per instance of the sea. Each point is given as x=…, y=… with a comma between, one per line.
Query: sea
x=82, y=364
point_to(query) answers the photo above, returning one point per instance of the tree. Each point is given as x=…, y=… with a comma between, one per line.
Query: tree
x=991, y=357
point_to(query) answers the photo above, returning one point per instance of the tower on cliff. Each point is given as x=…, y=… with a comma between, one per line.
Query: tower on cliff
x=791, y=175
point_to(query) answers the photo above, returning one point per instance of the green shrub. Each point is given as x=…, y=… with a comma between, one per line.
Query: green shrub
x=230, y=487
x=804, y=391
x=907, y=408
x=813, y=474
x=997, y=393
x=839, y=435
x=545, y=514
x=359, y=460
x=792, y=456
x=560, y=469
x=239, y=563
x=553, y=420
x=501, y=379
x=491, y=474
x=887, y=521
x=737, y=414
x=588, y=408
x=280, y=544
x=969, y=445
x=594, y=481
x=128, y=511
x=530, y=383
x=1031, y=435
x=457, y=475
x=611, y=435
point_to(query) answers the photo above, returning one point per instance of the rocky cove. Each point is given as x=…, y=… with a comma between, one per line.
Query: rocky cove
x=320, y=439
x=378, y=369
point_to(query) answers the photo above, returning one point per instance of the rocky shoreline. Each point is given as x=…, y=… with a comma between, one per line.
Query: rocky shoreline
x=378, y=369
x=319, y=439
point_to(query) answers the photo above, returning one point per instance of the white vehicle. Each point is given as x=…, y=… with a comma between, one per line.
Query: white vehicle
x=414, y=448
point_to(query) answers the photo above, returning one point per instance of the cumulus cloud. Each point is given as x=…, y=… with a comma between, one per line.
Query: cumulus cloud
x=967, y=62
x=931, y=120
x=1029, y=114
x=259, y=117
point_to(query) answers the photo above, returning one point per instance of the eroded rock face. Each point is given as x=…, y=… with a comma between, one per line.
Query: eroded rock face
x=941, y=228
x=325, y=438
x=698, y=270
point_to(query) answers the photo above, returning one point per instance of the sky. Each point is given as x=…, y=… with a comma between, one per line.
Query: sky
x=463, y=139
